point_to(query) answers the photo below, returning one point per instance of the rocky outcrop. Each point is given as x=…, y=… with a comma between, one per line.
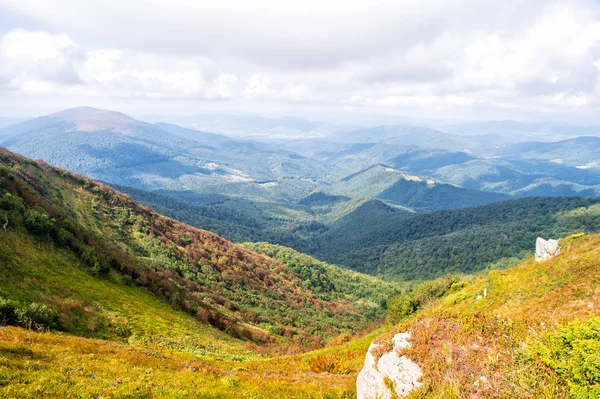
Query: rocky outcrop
x=545, y=250
x=391, y=371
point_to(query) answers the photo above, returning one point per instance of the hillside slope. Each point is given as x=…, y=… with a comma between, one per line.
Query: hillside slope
x=400, y=245
x=392, y=242
x=105, y=235
x=527, y=332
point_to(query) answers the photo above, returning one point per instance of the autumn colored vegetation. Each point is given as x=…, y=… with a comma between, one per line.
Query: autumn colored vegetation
x=247, y=295
x=101, y=297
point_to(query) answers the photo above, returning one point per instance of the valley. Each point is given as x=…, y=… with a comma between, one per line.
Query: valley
x=268, y=199
x=254, y=268
x=94, y=330
x=346, y=197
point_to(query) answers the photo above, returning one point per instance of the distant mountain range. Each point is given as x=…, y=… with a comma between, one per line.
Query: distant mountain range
x=513, y=131
x=113, y=147
x=5, y=122
x=410, y=166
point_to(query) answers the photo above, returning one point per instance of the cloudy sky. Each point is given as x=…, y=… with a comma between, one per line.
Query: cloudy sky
x=473, y=59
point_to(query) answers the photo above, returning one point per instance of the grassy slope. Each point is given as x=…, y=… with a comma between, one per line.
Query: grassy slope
x=457, y=341
x=161, y=340
x=38, y=272
x=49, y=365
x=467, y=335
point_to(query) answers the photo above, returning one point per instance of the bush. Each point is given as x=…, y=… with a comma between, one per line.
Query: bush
x=64, y=238
x=273, y=330
x=323, y=364
x=573, y=352
x=9, y=202
x=401, y=306
x=405, y=304
x=38, y=223
x=97, y=262
x=8, y=312
x=37, y=315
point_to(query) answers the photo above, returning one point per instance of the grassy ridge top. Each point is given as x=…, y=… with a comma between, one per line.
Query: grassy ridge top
x=494, y=337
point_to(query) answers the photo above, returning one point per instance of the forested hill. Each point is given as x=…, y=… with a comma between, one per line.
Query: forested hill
x=56, y=217
x=394, y=244
x=421, y=246
x=398, y=187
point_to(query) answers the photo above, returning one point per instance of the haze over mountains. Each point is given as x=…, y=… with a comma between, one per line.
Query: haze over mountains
x=300, y=199
x=113, y=147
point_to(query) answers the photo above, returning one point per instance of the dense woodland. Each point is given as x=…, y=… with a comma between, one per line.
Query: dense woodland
x=378, y=239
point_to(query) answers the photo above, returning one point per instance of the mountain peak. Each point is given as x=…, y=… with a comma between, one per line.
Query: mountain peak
x=92, y=119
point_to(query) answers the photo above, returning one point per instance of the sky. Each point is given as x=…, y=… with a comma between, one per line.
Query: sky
x=533, y=60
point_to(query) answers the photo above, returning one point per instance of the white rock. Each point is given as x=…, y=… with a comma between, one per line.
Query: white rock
x=403, y=373
x=545, y=250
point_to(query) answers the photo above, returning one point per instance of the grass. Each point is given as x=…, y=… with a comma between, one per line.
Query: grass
x=473, y=343
x=39, y=365
x=169, y=354
x=34, y=271
x=476, y=343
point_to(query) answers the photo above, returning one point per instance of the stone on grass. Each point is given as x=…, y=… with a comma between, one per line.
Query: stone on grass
x=402, y=374
x=545, y=249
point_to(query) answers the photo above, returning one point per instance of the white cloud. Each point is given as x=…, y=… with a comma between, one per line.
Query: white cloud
x=423, y=58
x=120, y=73
x=36, y=61
x=225, y=86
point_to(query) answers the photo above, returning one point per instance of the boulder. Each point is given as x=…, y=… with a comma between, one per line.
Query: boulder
x=546, y=249
x=402, y=374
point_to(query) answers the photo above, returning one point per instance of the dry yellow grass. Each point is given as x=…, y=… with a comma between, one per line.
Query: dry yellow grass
x=473, y=343
x=44, y=365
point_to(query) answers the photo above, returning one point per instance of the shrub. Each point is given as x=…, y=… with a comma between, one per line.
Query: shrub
x=8, y=312
x=340, y=339
x=64, y=237
x=573, y=352
x=405, y=304
x=39, y=223
x=97, y=262
x=273, y=330
x=401, y=306
x=435, y=289
x=37, y=315
x=9, y=202
x=322, y=364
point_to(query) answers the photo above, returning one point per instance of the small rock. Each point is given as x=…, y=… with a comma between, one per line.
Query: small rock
x=545, y=250
x=400, y=370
